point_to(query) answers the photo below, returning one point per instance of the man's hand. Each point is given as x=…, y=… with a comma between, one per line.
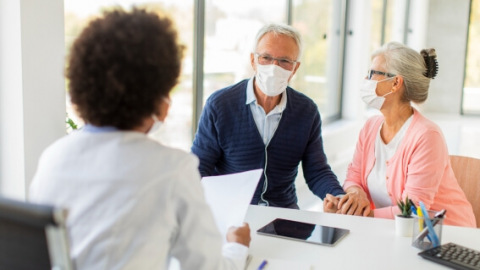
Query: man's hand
x=239, y=235
x=355, y=202
x=330, y=204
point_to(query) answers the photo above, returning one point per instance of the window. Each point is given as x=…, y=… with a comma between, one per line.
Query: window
x=381, y=23
x=178, y=124
x=229, y=31
x=471, y=90
x=230, y=28
x=319, y=74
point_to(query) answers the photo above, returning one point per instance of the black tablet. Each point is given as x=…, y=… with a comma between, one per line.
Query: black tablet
x=305, y=232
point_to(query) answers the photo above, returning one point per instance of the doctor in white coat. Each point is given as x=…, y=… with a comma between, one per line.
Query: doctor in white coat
x=133, y=203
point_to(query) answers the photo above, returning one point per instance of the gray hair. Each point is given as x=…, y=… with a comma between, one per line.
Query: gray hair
x=280, y=29
x=415, y=68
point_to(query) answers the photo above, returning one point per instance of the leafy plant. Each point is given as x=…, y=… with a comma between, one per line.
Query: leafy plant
x=71, y=123
x=405, y=206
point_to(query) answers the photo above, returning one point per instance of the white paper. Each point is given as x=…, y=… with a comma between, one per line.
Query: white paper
x=229, y=197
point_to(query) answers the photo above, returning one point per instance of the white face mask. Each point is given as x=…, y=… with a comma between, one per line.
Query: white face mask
x=369, y=96
x=157, y=124
x=272, y=79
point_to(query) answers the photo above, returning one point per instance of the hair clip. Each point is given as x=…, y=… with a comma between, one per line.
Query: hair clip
x=430, y=58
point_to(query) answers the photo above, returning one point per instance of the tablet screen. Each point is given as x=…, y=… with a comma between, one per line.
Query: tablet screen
x=305, y=232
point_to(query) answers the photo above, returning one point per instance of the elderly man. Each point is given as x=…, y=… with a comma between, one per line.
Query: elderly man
x=263, y=123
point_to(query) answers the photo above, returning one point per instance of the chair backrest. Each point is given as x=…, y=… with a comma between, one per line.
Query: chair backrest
x=32, y=236
x=467, y=172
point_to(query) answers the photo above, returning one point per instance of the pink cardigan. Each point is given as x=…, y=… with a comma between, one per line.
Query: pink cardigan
x=420, y=169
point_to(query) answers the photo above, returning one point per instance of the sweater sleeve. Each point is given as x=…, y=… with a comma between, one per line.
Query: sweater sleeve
x=318, y=174
x=206, y=145
x=363, y=158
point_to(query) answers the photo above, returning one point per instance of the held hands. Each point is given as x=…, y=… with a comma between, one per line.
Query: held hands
x=355, y=202
x=239, y=235
x=330, y=204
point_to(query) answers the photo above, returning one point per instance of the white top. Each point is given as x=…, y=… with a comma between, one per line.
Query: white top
x=132, y=203
x=266, y=123
x=377, y=184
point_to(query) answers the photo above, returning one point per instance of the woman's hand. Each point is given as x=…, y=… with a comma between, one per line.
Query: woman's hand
x=239, y=235
x=355, y=202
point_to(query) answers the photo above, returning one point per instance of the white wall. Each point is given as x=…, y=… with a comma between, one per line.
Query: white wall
x=447, y=28
x=32, y=91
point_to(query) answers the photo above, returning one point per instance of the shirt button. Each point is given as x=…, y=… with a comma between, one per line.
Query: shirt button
x=387, y=177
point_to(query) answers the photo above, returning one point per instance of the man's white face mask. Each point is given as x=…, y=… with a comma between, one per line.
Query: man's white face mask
x=369, y=96
x=272, y=79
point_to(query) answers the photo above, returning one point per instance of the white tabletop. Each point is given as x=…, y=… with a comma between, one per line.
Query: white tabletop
x=371, y=243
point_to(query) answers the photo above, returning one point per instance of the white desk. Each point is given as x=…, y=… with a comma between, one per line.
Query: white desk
x=371, y=243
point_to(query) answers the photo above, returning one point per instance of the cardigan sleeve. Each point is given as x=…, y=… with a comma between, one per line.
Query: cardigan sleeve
x=206, y=145
x=354, y=176
x=318, y=174
x=357, y=169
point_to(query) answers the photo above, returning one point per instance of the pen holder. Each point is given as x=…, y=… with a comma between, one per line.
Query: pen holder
x=423, y=237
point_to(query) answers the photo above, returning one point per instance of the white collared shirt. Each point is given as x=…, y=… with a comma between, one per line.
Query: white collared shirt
x=132, y=203
x=266, y=123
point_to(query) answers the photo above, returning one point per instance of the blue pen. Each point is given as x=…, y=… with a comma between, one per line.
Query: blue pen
x=431, y=231
x=414, y=210
x=262, y=265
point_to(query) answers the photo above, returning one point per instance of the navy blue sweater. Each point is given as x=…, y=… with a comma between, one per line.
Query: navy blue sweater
x=228, y=141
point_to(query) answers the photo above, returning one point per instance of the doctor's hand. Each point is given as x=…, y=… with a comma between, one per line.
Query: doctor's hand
x=239, y=235
x=330, y=203
x=355, y=202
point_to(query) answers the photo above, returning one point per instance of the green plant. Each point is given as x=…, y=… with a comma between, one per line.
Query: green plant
x=405, y=206
x=70, y=123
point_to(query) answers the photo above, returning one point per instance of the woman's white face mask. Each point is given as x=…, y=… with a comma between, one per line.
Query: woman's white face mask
x=369, y=96
x=154, y=131
x=272, y=79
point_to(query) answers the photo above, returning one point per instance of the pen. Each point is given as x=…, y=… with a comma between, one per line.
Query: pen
x=424, y=232
x=420, y=219
x=431, y=231
x=411, y=202
x=414, y=210
x=262, y=265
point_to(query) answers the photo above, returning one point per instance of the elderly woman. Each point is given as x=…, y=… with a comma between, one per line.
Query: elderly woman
x=133, y=203
x=401, y=153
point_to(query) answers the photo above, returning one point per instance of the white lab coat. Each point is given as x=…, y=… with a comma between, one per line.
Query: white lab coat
x=133, y=203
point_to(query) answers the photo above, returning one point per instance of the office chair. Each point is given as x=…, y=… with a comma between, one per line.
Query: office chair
x=467, y=172
x=32, y=236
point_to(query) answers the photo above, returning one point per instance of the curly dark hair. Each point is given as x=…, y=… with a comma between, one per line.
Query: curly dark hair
x=121, y=66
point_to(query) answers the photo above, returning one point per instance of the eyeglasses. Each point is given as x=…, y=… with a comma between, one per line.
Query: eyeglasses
x=372, y=71
x=266, y=59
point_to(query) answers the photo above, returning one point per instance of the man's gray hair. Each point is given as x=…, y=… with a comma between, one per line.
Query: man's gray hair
x=280, y=29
